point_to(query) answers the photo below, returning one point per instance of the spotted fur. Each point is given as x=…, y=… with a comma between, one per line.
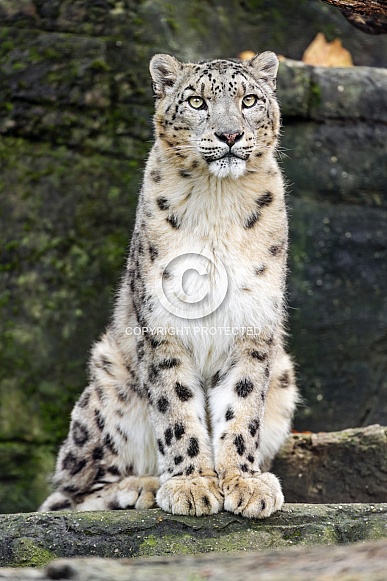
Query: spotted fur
x=193, y=419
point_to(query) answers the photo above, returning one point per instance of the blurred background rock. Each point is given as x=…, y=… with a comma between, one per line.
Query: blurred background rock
x=75, y=107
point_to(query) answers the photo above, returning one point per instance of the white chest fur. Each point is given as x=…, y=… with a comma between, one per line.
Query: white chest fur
x=212, y=288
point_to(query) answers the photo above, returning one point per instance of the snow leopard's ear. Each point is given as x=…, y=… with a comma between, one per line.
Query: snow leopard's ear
x=164, y=70
x=264, y=66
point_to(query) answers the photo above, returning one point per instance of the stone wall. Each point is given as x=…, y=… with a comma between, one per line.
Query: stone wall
x=75, y=129
x=336, y=142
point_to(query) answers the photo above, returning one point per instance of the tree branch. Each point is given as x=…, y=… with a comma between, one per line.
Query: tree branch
x=360, y=6
x=369, y=16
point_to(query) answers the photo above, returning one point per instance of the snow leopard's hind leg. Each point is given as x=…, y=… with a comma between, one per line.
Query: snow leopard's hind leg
x=109, y=458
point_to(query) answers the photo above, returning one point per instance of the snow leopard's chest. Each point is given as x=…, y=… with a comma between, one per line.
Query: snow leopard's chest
x=208, y=292
x=210, y=255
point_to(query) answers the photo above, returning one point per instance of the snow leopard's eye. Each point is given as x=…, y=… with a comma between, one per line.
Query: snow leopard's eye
x=197, y=102
x=249, y=101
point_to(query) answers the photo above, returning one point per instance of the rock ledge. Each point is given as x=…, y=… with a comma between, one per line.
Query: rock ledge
x=36, y=539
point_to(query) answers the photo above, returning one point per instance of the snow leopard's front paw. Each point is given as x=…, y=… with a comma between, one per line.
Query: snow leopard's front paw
x=191, y=496
x=256, y=497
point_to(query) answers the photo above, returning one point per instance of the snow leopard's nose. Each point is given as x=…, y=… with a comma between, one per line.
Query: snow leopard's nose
x=229, y=138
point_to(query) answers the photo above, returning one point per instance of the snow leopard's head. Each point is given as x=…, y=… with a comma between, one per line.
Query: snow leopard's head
x=221, y=114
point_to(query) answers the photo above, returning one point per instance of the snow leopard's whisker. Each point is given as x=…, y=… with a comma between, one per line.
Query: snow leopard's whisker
x=181, y=147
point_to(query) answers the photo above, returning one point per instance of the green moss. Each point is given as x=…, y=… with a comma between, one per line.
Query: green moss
x=19, y=66
x=175, y=544
x=150, y=541
x=314, y=95
x=293, y=535
x=329, y=535
x=257, y=536
x=99, y=65
x=50, y=53
x=28, y=554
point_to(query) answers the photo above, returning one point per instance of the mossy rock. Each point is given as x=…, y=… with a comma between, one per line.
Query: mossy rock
x=152, y=532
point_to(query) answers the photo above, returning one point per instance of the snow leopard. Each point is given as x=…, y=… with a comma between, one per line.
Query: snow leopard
x=191, y=392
